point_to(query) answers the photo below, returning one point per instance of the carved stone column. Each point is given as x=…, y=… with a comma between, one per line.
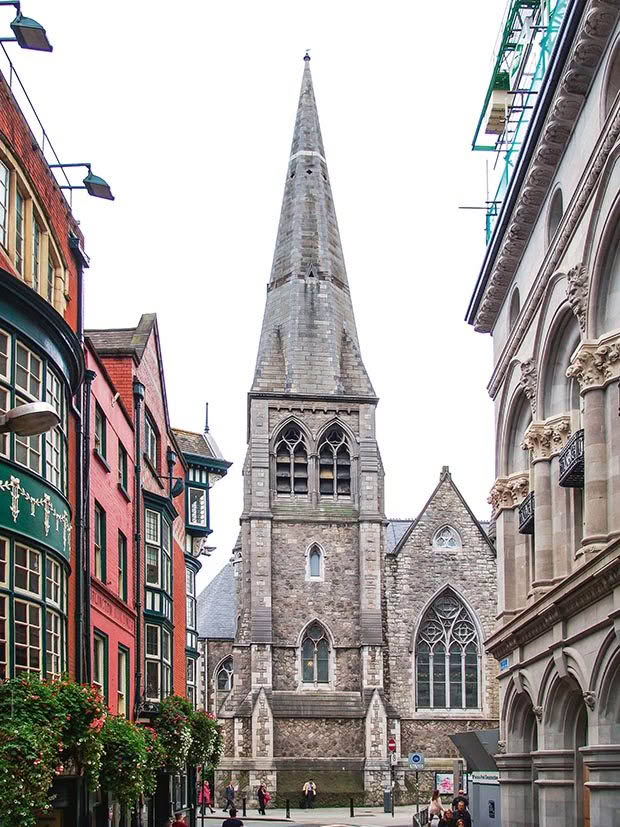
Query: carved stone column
x=517, y=789
x=556, y=787
x=505, y=497
x=545, y=440
x=596, y=365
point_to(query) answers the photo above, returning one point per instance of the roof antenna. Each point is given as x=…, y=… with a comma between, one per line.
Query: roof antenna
x=206, y=417
x=307, y=55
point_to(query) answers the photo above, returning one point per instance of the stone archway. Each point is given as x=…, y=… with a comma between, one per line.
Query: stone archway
x=518, y=772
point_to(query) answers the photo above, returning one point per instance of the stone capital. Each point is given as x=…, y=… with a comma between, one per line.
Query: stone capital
x=577, y=293
x=547, y=439
x=595, y=364
x=508, y=492
x=529, y=382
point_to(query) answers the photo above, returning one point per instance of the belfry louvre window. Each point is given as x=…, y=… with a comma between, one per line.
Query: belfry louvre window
x=334, y=464
x=447, y=670
x=315, y=655
x=291, y=462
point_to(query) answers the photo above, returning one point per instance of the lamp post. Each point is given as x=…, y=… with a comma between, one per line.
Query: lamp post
x=28, y=33
x=31, y=419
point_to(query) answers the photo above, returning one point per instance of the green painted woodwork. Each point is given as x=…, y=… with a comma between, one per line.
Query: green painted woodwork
x=31, y=507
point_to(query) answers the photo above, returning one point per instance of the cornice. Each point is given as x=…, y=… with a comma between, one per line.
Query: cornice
x=576, y=592
x=597, y=23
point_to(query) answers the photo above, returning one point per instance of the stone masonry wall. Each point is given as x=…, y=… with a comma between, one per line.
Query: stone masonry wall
x=431, y=737
x=314, y=737
x=217, y=651
x=417, y=572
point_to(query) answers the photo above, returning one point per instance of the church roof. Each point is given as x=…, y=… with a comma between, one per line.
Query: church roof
x=309, y=341
x=395, y=530
x=217, y=607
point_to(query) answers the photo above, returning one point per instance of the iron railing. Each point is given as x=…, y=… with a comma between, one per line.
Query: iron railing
x=572, y=462
x=526, y=515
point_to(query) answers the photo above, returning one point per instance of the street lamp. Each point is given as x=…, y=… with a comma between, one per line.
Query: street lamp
x=31, y=419
x=28, y=33
x=93, y=184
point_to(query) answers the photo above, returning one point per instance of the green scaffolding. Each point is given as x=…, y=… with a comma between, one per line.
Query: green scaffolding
x=529, y=33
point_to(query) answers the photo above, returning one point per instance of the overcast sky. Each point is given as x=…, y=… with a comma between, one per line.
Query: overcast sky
x=187, y=109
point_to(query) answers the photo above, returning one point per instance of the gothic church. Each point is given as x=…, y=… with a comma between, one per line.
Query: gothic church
x=334, y=629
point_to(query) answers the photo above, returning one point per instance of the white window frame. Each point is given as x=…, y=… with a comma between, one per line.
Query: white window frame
x=29, y=627
x=202, y=523
x=152, y=539
x=53, y=635
x=37, y=233
x=7, y=355
x=5, y=177
x=4, y=562
x=99, y=542
x=31, y=554
x=53, y=576
x=5, y=404
x=152, y=660
x=99, y=647
x=122, y=684
x=31, y=359
x=166, y=671
x=31, y=445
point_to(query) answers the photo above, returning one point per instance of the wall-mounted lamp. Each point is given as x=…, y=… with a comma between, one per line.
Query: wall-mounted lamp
x=93, y=184
x=28, y=33
x=31, y=419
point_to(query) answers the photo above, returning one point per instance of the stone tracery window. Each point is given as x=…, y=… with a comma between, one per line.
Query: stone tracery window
x=447, y=538
x=315, y=655
x=224, y=679
x=291, y=462
x=447, y=656
x=334, y=464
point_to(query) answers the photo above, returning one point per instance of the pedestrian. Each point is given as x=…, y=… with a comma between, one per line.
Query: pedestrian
x=460, y=822
x=230, y=797
x=462, y=813
x=460, y=796
x=204, y=797
x=179, y=821
x=263, y=798
x=309, y=791
x=434, y=808
x=446, y=819
x=232, y=820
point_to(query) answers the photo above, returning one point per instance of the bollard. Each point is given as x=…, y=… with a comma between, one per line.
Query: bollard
x=288, y=808
x=244, y=803
x=351, y=807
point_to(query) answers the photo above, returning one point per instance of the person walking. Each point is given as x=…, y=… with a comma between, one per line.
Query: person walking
x=434, y=807
x=461, y=812
x=230, y=797
x=204, y=797
x=460, y=796
x=232, y=820
x=309, y=791
x=263, y=798
x=179, y=821
x=447, y=819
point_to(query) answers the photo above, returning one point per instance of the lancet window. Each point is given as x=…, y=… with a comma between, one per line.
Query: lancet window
x=315, y=655
x=447, y=656
x=225, y=676
x=291, y=462
x=334, y=464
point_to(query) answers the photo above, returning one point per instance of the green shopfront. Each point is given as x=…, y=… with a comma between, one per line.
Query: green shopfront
x=40, y=360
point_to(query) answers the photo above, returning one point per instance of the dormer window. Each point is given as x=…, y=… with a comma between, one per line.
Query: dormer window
x=334, y=464
x=291, y=462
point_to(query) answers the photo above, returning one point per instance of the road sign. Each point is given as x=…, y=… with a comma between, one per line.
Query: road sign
x=416, y=761
x=392, y=744
x=393, y=759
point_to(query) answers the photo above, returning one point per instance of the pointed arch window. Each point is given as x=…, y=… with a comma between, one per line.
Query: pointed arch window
x=291, y=462
x=315, y=655
x=224, y=679
x=334, y=464
x=447, y=656
x=315, y=563
x=447, y=537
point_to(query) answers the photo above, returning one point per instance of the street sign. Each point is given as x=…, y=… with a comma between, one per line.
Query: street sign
x=416, y=761
x=392, y=744
x=393, y=759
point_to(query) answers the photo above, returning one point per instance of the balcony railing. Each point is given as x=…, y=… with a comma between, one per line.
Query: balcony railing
x=571, y=462
x=526, y=515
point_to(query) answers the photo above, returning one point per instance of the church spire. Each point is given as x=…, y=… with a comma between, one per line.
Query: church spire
x=309, y=340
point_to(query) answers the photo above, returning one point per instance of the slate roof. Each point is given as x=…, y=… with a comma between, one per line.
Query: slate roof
x=217, y=607
x=395, y=530
x=202, y=445
x=113, y=341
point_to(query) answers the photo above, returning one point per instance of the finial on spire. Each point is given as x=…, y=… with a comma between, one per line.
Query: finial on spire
x=307, y=55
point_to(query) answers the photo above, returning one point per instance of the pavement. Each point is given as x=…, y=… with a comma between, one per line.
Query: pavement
x=324, y=816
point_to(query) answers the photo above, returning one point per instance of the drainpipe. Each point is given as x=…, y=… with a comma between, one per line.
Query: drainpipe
x=86, y=454
x=138, y=398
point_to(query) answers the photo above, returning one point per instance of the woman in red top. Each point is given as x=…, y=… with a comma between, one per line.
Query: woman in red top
x=204, y=796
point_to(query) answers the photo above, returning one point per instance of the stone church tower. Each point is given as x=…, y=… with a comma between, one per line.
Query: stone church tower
x=308, y=654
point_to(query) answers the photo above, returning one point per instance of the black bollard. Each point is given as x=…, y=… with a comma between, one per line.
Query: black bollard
x=244, y=803
x=288, y=808
x=351, y=807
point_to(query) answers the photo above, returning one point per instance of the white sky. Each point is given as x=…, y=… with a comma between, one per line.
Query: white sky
x=187, y=109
